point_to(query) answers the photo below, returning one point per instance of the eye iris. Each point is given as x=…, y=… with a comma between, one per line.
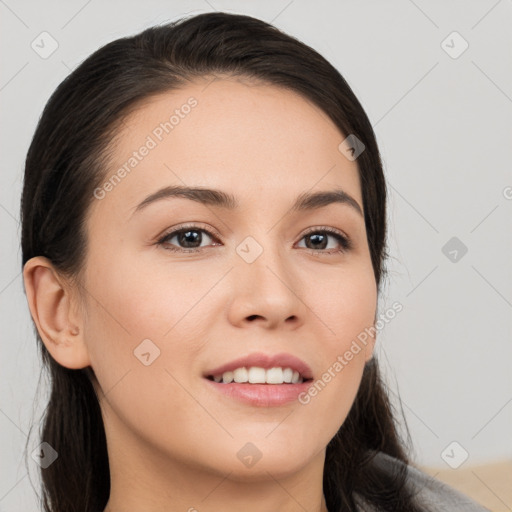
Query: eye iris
x=185, y=235
x=316, y=237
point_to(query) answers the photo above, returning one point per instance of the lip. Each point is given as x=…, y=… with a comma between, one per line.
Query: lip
x=266, y=361
x=261, y=395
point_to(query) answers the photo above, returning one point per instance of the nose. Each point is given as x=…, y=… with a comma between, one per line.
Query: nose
x=266, y=290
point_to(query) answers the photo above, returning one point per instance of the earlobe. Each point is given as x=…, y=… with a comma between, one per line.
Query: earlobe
x=369, y=348
x=51, y=305
x=370, y=343
x=372, y=338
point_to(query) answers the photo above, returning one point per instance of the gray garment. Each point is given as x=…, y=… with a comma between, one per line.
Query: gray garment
x=431, y=494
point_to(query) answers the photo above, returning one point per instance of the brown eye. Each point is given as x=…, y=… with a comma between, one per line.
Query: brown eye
x=318, y=240
x=188, y=239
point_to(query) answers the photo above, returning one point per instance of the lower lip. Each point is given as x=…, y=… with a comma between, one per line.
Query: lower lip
x=261, y=395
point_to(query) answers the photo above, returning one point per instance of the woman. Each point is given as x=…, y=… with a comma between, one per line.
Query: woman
x=203, y=236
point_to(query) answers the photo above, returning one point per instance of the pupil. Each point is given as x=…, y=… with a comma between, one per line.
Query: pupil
x=313, y=237
x=190, y=234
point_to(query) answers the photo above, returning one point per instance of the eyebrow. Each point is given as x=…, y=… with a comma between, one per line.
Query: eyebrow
x=304, y=202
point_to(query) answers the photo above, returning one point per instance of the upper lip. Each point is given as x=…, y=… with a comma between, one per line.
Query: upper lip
x=266, y=361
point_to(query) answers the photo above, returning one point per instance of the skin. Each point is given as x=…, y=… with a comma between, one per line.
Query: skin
x=172, y=440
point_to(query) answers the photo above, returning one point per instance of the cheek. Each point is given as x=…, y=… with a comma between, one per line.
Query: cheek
x=345, y=307
x=127, y=305
x=129, y=301
x=139, y=300
x=344, y=302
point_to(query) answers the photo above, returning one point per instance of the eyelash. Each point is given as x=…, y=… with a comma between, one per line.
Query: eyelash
x=345, y=242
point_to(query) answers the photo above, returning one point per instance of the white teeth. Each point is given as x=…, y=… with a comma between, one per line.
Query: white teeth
x=258, y=375
x=227, y=377
x=241, y=375
x=275, y=376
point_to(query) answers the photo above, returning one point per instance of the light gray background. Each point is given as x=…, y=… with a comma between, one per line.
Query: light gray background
x=443, y=126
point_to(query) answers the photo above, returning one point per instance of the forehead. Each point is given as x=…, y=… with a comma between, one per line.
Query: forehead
x=252, y=140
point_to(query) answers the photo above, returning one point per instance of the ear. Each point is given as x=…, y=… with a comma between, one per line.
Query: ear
x=54, y=309
x=370, y=346
x=371, y=340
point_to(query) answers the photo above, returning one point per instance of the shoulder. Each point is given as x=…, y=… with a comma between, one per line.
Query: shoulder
x=431, y=494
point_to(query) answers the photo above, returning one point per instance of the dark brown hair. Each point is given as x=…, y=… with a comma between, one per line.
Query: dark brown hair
x=67, y=160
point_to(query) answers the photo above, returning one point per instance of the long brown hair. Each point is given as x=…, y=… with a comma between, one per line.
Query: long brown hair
x=66, y=161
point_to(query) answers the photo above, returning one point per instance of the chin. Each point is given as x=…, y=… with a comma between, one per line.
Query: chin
x=264, y=461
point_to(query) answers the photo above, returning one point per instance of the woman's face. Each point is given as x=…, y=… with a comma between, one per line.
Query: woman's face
x=258, y=278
